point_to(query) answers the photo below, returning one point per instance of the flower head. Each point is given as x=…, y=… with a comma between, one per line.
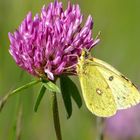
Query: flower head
x=47, y=44
x=124, y=125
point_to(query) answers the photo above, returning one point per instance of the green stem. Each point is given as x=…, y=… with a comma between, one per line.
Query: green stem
x=6, y=97
x=56, y=117
x=19, y=123
x=100, y=126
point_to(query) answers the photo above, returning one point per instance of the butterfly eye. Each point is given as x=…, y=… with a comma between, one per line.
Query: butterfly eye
x=86, y=54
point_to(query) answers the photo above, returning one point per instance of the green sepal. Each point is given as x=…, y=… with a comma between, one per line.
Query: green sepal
x=51, y=86
x=69, y=90
x=39, y=98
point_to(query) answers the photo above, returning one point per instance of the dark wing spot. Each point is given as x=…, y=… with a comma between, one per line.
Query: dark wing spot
x=96, y=107
x=90, y=104
x=99, y=92
x=135, y=101
x=118, y=98
x=107, y=87
x=125, y=78
x=135, y=86
x=111, y=78
x=124, y=97
x=129, y=81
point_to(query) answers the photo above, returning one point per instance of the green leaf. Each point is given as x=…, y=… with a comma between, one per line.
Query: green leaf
x=75, y=94
x=16, y=91
x=39, y=98
x=51, y=87
x=64, y=84
x=25, y=87
x=69, y=90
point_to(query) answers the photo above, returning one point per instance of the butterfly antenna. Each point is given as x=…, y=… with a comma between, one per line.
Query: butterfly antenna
x=96, y=41
x=97, y=36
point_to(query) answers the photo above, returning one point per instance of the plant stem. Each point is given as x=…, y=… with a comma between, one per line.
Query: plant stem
x=19, y=123
x=100, y=125
x=56, y=117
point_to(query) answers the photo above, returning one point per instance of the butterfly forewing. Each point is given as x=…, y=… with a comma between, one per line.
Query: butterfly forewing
x=96, y=92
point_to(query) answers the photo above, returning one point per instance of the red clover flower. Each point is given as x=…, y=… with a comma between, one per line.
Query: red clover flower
x=124, y=125
x=47, y=45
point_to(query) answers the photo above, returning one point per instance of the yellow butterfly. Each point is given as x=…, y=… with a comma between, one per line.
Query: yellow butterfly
x=105, y=90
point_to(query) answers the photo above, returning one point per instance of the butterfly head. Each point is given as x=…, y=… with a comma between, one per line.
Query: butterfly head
x=84, y=55
x=82, y=59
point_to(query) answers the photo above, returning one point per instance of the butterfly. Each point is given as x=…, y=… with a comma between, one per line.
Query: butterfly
x=105, y=90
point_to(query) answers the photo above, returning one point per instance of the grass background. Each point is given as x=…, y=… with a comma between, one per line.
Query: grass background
x=119, y=23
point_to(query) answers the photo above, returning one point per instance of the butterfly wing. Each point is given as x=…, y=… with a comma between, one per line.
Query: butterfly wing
x=96, y=92
x=124, y=91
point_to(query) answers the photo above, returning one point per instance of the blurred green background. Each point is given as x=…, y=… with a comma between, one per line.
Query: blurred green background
x=119, y=23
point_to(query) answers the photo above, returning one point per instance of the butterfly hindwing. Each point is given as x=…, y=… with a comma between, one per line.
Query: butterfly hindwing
x=96, y=92
x=124, y=91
